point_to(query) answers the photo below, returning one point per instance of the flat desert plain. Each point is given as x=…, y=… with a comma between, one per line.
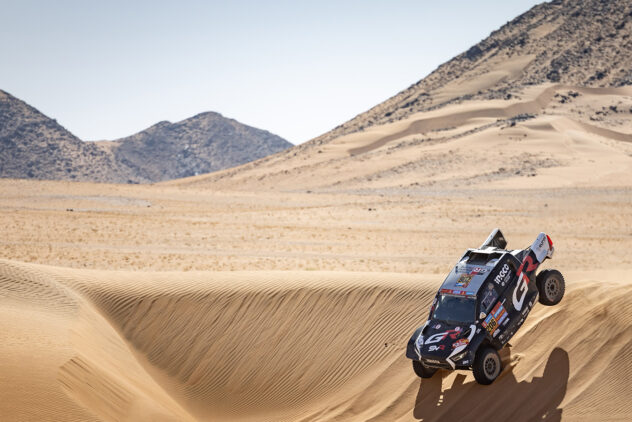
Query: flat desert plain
x=287, y=289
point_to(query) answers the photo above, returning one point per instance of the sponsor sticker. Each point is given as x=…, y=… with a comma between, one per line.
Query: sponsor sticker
x=470, y=269
x=464, y=280
x=498, y=311
x=525, y=313
x=502, y=275
x=490, y=323
x=478, y=270
x=460, y=342
x=491, y=326
x=458, y=292
x=435, y=348
x=540, y=248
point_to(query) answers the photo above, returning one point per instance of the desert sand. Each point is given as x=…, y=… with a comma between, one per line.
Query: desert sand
x=286, y=289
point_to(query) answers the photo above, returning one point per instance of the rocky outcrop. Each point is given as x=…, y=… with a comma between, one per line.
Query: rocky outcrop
x=35, y=146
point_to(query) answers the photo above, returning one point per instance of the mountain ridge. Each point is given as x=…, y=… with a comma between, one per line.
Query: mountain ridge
x=544, y=31
x=222, y=141
x=35, y=146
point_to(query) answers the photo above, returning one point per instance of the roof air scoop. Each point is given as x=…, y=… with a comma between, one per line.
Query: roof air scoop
x=495, y=240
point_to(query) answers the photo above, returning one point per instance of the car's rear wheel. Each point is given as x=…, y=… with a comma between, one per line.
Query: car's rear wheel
x=487, y=365
x=551, y=287
x=423, y=371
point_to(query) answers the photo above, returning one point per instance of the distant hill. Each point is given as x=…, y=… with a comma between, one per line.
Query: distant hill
x=201, y=144
x=35, y=146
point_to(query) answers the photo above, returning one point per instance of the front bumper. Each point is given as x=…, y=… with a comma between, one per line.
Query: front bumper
x=436, y=362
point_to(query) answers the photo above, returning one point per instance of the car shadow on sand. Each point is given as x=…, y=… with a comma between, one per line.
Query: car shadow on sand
x=505, y=399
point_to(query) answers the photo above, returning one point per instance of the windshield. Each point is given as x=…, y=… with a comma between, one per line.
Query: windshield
x=455, y=309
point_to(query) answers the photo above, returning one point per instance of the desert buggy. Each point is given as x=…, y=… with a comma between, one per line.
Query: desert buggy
x=481, y=304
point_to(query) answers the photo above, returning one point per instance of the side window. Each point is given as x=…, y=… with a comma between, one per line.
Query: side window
x=488, y=297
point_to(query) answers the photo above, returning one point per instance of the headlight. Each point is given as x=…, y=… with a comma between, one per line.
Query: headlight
x=459, y=356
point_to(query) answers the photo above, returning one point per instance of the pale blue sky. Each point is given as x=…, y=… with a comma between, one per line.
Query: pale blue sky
x=108, y=69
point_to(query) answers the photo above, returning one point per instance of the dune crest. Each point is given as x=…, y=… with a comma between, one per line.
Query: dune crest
x=297, y=346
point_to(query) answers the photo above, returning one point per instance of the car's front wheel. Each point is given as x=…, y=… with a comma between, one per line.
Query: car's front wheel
x=551, y=287
x=423, y=371
x=487, y=366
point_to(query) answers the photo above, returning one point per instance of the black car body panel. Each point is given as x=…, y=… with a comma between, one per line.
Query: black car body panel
x=496, y=287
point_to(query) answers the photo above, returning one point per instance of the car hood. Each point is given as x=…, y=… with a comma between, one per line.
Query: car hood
x=440, y=340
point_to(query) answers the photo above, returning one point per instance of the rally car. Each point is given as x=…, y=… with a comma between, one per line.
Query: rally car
x=481, y=304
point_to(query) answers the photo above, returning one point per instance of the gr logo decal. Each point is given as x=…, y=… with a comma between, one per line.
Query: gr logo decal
x=522, y=286
x=436, y=338
x=523, y=282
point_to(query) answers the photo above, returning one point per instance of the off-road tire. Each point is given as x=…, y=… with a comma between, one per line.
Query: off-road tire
x=422, y=371
x=551, y=287
x=487, y=365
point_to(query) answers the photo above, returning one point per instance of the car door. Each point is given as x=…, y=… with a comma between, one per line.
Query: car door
x=494, y=295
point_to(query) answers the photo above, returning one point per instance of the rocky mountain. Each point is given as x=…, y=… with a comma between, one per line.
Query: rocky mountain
x=35, y=146
x=201, y=144
x=577, y=42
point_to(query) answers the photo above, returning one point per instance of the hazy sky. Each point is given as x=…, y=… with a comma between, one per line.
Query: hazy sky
x=108, y=69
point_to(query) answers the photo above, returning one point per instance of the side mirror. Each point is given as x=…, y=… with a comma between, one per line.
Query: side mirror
x=482, y=315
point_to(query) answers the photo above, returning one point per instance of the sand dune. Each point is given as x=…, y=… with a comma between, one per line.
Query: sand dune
x=289, y=346
x=62, y=360
x=467, y=144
